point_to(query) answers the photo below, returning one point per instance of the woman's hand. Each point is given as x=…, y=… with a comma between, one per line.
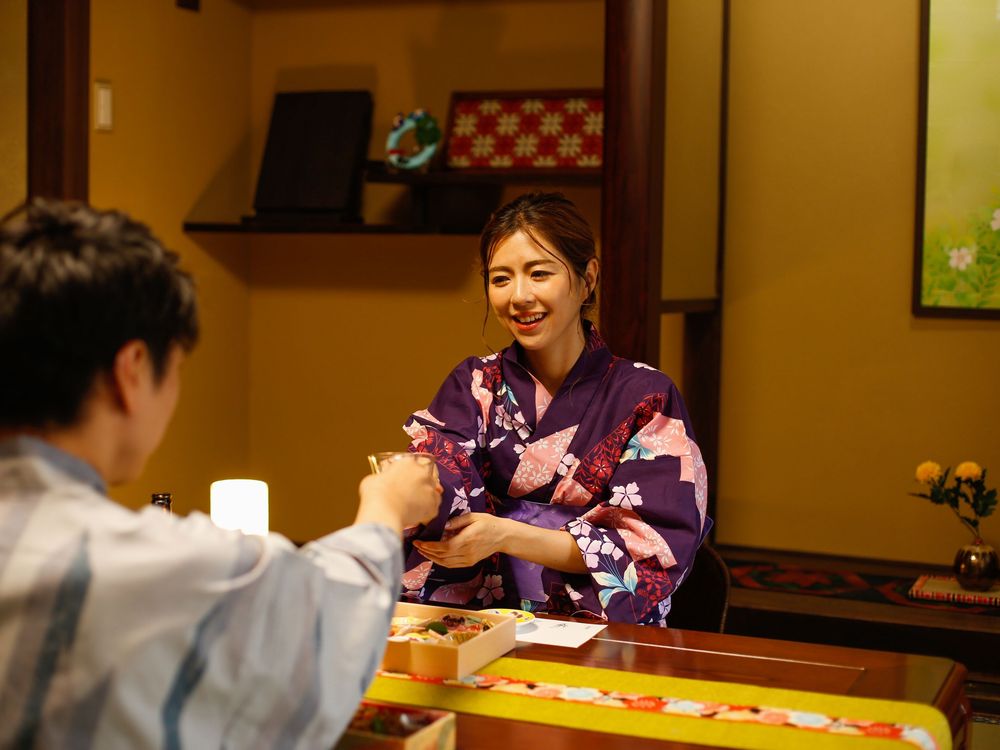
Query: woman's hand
x=468, y=539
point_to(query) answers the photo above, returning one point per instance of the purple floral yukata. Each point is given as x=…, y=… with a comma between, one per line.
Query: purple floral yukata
x=611, y=459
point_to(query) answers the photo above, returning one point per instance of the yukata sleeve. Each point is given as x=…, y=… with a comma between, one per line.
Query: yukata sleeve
x=639, y=542
x=453, y=430
x=300, y=631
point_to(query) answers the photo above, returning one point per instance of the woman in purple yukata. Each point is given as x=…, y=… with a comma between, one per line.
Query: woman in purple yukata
x=573, y=483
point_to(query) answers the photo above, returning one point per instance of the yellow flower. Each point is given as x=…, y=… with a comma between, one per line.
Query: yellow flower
x=968, y=470
x=929, y=471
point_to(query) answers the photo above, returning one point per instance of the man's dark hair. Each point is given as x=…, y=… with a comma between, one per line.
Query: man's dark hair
x=76, y=285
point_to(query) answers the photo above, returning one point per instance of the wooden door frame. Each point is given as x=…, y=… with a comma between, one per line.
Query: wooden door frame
x=58, y=98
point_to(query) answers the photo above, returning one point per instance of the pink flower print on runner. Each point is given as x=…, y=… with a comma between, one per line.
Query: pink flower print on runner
x=641, y=540
x=539, y=461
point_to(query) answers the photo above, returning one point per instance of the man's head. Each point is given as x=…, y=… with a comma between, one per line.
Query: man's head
x=89, y=301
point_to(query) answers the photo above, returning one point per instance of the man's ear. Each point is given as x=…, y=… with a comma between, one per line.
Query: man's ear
x=130, y=374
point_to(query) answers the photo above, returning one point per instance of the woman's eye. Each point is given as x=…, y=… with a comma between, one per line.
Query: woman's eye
x=540, y=274
x=498, y=280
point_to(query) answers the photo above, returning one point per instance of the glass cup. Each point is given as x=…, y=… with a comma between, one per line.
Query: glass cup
x=377, y=461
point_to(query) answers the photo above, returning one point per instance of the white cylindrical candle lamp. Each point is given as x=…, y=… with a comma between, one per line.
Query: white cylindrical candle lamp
x=240, y=504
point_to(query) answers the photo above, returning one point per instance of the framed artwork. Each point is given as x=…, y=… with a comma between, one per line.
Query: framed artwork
x=532, y=132
x=956, y=270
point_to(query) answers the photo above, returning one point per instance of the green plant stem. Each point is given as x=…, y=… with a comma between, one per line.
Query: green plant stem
x=965, y=522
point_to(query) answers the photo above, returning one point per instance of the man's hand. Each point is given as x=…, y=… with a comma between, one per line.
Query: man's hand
x=405, y=493
x=468, y=539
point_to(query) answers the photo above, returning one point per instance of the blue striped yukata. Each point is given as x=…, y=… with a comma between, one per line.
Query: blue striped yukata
x=134, y=630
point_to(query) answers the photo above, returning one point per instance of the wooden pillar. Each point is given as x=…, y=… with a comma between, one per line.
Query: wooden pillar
x=632, y=201
x=58, y=98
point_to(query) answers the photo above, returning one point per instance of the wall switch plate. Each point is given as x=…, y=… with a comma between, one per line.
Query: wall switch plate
x=103, y=113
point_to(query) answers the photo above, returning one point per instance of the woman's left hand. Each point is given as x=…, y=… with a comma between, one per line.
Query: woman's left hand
x=470, y=538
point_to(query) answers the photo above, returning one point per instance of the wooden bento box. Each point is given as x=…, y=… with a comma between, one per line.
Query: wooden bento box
x=384, y=726
x=443, y=658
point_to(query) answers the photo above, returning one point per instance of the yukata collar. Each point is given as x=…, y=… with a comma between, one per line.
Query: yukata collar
x=73, y=467
x=592, y=363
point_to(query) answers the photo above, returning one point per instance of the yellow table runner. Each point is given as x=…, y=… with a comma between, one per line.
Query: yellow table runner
x=700, y=712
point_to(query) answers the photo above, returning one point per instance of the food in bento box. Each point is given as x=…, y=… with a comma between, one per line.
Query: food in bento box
x=448, y=628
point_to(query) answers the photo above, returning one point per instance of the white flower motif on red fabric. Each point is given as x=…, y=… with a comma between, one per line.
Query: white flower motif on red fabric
x=551, y=123
x=593, y=123
x=588, y=160
x=500, y=161
x=482, y=146
x=526, y=145
x=508, y=123
x=627, y=497
x=489, y=106
x=492, y=589
x=575, y=106
x=569, y=145
x=532, y=106
x=465, y=124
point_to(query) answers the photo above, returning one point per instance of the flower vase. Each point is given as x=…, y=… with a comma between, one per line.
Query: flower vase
x=977, y=566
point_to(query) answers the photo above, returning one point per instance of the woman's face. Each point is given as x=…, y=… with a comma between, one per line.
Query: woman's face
x=534, y=295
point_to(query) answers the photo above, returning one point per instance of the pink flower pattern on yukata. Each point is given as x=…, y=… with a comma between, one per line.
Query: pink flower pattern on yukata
x=627, y=497
x=566, y=464
x=424, y=414
x=483, y=396
x=641, y=539
x=539, y=461
x=492, y=589
x=417, y=432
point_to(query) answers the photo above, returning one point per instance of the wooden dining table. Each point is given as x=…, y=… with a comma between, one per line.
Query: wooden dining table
x=727, y=658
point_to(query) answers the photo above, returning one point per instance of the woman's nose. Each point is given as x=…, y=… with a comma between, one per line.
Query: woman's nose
x=523, y=292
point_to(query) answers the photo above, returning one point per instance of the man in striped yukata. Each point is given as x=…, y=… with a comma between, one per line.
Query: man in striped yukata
x=137, y=630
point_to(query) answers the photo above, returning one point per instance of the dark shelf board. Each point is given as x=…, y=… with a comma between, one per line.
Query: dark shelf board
x=375, y=171
x=237, y=227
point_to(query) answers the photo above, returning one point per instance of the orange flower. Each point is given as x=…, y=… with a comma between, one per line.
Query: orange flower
x=968, y=470
x=929, y=471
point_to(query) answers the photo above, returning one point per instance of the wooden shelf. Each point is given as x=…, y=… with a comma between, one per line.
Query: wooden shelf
x=237, y=227
x=445, y=202
x=375, y=171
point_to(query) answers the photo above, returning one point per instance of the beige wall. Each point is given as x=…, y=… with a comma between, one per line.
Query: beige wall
x=351, y=333
x=181, y=107
x=14, y=99
x=832, y=392
x=691, y=150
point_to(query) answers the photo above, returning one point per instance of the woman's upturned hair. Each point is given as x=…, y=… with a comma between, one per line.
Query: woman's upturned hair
x=77, y=284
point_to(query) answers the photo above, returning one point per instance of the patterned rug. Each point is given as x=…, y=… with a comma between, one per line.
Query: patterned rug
x=792, y=579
